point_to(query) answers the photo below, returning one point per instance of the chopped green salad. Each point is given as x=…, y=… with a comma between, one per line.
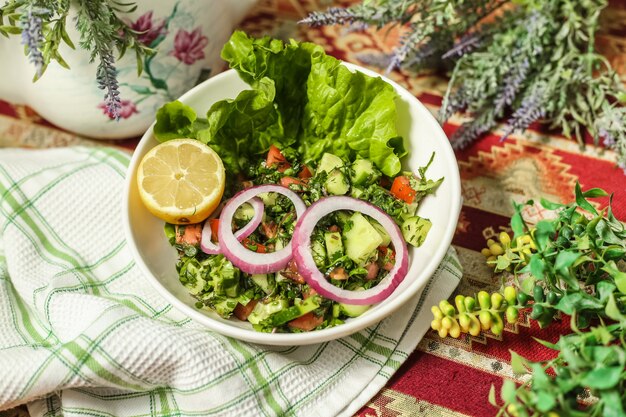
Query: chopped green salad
x=312, y=126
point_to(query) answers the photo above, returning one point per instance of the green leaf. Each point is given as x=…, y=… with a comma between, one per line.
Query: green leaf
x=544, y=233
x=612, y=311
x=502, y=263
x=595, y=192
x=565, y=259
x=13, y=30
x=537, y=266
x=549, y=205
x=508, y=391
x=174, y=120
x=492, y=396
x=539, y=377
x=582, y=202
x=603, y=377
x=612, y=404
x=518, y=363
x=578, y=301
x=517, y=224
x=545, y=401
x=528, y=285
x=617, y=275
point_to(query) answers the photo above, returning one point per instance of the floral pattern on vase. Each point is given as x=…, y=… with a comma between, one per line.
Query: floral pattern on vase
x=189, y=46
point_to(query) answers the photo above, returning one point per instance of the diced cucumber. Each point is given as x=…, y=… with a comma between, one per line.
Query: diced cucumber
x=334, y=245
x=356, y=192
x=269, y=199
x=336, y=183
x=336, y=310
x=300, y=308
x=363, y=172
x=262, y=311
x=342, y=217
x=224, y=307
x=319, y=253
x=265, y=282
x=197, y=286
x=382, y=232
x=244, y=212
x=353, y=310
x=415, y=229
x=328, y=163
x=361, y=239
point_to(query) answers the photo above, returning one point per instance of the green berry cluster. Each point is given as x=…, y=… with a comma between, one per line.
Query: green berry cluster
x=472, y=317
x=507, y=254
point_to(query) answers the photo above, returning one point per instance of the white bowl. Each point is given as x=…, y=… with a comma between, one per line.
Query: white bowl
x=422, y=134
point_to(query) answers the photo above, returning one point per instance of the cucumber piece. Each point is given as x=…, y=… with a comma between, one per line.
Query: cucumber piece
x=269, y=199
x=328, y=163
x=265, y=282
x=319, y=253
x=224, y=307
x=353, y=310
x=382, y=232
x=336, y=310
x=337, y=183
x=262, y=311
x=415, y=229
x=244, y=212
x=197, y=286
x=300, y=308
x=356, y=192
x=334, y=245
x=362, y=172
x=361, y=239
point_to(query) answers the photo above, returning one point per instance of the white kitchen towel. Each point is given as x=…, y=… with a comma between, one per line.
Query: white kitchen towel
x=83, y=334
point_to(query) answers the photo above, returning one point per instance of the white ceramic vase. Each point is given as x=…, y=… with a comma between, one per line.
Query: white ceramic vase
x=187, y=36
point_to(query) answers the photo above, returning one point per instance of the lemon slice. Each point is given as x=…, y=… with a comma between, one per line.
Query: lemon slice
x=181, y=181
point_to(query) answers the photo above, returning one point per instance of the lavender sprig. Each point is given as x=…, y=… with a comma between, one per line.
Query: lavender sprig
x=332, y=16
x=530, y=110
x=611, y=126
x=31, y=24
x=106, y=76
x=512, y=84
x=465, y=45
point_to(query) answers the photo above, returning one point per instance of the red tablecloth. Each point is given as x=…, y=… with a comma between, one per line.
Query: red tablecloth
x=443, y=377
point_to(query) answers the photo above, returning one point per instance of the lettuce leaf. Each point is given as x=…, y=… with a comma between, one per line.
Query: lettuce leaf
x=299, y=97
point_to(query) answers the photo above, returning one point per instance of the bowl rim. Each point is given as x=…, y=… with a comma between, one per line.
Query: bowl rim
x=317, y=336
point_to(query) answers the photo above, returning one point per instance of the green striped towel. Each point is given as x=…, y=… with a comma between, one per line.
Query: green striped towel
x=83, y=334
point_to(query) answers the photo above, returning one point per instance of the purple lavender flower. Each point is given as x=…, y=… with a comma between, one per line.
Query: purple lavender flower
x=512, y=83
x=107, y=81
x=466, y=44
x=530, y=110
x=332, y=16
x=469, y=131
x=32, y=37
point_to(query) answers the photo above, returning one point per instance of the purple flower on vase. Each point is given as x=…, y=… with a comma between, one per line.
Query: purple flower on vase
x=148, y=28
x=189, y=46
x=127, y=109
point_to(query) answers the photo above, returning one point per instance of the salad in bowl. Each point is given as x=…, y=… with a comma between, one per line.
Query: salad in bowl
x=310, y=222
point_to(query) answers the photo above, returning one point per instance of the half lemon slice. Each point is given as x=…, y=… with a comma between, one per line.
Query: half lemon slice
x=181, y=181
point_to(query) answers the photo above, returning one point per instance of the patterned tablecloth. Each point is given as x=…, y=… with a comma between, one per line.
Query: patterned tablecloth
x=443, y=377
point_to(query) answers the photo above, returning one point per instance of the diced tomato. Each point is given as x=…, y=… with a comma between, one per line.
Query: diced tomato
x=338, y=273
x=305, y=172
x=191, y=236
x=401, y=189
x=384, y=182
x=215, y=227
x=334, y=228
x=307, y=322
x=372, y=271
x=287, y=181
x=254, y=246
x=309, y=293
x=387, y=257
x=276, y=158
x=242, y=312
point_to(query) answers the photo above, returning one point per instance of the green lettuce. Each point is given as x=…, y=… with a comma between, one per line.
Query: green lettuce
x=299, y=97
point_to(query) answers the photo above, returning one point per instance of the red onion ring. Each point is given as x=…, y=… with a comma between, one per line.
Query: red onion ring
x=306, y=265
x=248, y=261
x=211, y=248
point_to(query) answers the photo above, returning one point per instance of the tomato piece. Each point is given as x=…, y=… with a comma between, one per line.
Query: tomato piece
x=305, y=172
x=387, y=258
x=215, y=227
x=242, y=312
x=401, y=189
x=276, y=158
x=307, y=322
x=254, y=246
x=287, y=181
x=191, y=236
